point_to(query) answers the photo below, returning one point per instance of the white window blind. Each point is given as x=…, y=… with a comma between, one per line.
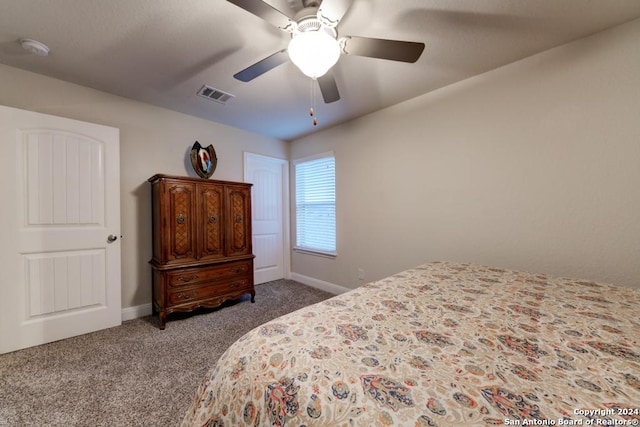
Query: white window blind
x=316, y=204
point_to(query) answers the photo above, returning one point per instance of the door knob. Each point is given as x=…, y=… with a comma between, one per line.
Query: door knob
x=112, y=238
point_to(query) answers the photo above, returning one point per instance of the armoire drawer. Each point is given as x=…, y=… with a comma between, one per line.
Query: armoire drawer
x=179, y=296
x=190, y=276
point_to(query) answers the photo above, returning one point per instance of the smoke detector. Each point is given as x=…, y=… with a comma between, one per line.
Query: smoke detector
x=34, y=47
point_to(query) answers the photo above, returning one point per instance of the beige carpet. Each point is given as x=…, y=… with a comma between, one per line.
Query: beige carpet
x=135, y=374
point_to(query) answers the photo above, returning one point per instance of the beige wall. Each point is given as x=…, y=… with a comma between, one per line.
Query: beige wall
x=533, y=166
x=152, y=140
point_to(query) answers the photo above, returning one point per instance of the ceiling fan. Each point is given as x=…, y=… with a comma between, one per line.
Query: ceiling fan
x=315, y=46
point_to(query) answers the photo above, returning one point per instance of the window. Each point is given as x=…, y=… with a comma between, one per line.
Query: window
x=316, y=204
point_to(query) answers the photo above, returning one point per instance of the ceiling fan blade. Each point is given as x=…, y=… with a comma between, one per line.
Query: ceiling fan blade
x=394, y=50
x=331, y=11
x=262, y=66
x=266, y=12
x=329, y=88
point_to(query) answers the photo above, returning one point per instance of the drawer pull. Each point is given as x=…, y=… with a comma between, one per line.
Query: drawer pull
x=180, y=219
x=212, y=219
x=238, y=270
x=236, y=284
x=182, y=295
x=184, y=279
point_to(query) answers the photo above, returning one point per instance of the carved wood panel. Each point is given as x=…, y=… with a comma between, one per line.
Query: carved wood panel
x=239, y=220
x=181, y=221
x=211, y=216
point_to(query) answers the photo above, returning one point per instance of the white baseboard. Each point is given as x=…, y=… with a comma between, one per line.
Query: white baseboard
x=130, y=313
x=319, y=284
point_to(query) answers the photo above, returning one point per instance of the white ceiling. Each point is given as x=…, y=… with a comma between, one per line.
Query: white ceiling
x=162, y=51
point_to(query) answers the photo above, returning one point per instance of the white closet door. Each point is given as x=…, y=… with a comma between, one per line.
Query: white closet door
x=269, y=207
x=60, y=190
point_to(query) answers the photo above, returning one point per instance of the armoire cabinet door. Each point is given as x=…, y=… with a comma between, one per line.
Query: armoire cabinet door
x=239, y=208
x=180, y=221
x=210, y=204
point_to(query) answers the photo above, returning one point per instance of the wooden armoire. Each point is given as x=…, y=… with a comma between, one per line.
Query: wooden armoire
x=202, y=252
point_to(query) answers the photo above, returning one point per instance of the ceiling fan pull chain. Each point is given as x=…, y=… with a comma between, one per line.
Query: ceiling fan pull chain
x=313, y=102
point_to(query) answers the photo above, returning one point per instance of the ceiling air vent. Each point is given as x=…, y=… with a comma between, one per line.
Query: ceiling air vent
x=214, y=94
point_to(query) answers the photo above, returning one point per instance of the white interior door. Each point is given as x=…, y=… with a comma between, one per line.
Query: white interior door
x=270, y=215
x=61, y=211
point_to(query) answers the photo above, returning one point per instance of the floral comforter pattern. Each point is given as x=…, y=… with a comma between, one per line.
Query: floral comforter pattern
x=442, y=344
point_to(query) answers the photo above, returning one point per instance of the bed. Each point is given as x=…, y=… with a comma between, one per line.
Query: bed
x=442, y=344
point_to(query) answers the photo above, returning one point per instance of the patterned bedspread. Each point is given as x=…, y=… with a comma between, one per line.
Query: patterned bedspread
x=439, y=345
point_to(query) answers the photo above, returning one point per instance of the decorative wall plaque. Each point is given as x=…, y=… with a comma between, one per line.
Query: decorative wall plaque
x=204, y=160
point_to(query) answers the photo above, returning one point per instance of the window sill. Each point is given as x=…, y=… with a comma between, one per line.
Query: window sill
x=316, y=252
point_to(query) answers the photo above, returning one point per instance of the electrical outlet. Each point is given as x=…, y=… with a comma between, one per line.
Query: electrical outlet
x=360, y=274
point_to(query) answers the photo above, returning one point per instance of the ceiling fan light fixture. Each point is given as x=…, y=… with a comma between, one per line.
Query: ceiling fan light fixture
x=314, y=52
